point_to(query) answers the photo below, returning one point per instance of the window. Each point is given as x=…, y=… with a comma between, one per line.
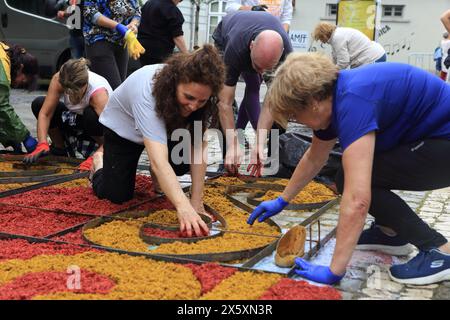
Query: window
x=331, y=9
x=392, y=11
x=35, y=7
x=216, y=13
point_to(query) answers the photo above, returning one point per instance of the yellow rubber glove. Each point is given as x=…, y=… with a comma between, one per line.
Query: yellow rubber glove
x=134, y=47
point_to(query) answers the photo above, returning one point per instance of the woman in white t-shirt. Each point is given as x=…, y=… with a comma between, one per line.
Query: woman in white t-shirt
x=350, y=47
x=162, y=108
x=85, y=95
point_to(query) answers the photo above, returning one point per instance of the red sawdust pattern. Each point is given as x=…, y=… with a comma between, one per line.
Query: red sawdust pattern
x=158, y=204
x=34, y=222
x=210, y=274
x=43, y=283
x=289, y=289
x=166, y=234
x=79, y=199
x=22, y=249
x=75, y=237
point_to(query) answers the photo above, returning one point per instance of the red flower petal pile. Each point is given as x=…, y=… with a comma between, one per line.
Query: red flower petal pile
x=43, y=283
x=289, y=289
x=34, y=222
x=22, y=249
x=210, y=274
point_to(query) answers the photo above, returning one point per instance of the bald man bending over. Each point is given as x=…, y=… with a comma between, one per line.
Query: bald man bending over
x=252, y=42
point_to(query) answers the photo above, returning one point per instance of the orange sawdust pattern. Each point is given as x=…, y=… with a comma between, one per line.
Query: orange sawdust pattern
x=11, y=186
x=34, y=284
x=83, y=182
x=135, y=277
x=164, y=217
x=125, y=234
x=312, y=193
x=232, y=288
x=7, y=166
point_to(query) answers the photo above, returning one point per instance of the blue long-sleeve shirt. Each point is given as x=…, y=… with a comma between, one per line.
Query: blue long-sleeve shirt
x=121, y=11
x=401, y=103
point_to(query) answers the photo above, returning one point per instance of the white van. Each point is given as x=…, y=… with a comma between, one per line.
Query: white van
x=23, y=22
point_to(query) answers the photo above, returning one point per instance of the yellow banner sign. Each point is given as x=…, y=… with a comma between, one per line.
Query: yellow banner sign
x=358, y=14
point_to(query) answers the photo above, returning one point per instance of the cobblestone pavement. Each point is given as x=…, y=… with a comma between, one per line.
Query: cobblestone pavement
x=367, y=277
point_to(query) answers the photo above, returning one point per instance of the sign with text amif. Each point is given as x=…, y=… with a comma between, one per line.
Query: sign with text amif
x=360, y=15
x=299, y=39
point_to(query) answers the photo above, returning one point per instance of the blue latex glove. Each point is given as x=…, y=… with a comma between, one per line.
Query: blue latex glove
x=121, y=29
x=267, y=209
x=316, y=273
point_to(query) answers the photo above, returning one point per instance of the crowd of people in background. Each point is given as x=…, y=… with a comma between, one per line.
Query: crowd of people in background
x=392, y=120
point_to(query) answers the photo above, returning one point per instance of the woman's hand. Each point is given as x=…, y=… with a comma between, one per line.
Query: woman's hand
x=191, y=223
x=256, y=161
x=133, y=26
x=200, y=208
x=233, y=158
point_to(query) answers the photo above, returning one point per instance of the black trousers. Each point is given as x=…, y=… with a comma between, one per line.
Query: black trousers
x=420, y=166
x=155, y=52
x=88, y=122
x=108, y=60
x=116, y=180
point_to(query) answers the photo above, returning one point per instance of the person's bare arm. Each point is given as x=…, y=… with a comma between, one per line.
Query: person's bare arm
x=181, y=44
x=257, y=157
x=99, y=100
x=51, y=101
x=106, y=22
x=357, y=161
x=309, y=166
x=445, y=18
x=190, y=221
x=234, y=152
x=198, y=172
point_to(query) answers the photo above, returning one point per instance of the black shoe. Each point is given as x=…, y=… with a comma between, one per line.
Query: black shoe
x=376, y=240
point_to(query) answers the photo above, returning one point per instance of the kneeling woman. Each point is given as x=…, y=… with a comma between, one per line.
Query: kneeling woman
x=85, y=96
x=143, y=112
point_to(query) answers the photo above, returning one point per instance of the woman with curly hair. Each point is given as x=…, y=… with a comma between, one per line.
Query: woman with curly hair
x=145, y=113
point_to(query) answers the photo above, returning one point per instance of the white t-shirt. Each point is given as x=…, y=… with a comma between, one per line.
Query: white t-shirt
x=130, y=111
x=96, y=82
x=445, y=46
x=352, y=48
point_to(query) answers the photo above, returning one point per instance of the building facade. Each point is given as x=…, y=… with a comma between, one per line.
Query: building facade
x=410, y=30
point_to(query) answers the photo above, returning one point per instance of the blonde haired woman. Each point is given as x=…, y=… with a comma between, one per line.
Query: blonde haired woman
x=350, y=47
x=393, y=123
x=85, y=95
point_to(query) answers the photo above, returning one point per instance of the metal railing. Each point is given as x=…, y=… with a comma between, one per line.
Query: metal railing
x=422, y=60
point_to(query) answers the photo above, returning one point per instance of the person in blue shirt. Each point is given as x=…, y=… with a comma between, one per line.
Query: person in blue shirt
x=393, y=123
